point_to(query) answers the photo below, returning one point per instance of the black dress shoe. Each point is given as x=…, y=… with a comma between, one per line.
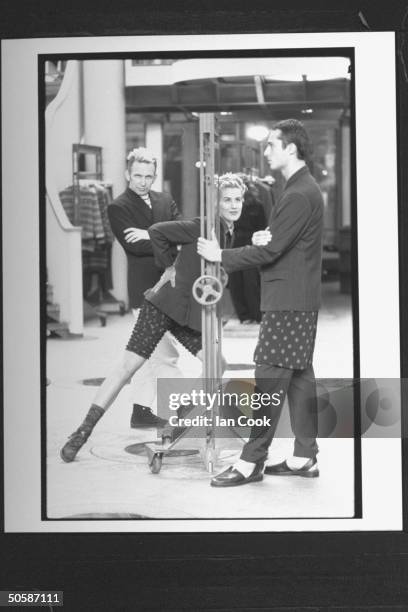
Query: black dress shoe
x=144, y=417
x=233, y=478
x=282, y=469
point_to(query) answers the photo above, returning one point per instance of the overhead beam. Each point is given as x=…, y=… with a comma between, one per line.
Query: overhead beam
x=255, y=92
x=213, y=107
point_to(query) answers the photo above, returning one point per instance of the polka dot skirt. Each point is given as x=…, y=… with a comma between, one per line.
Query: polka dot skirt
x=287, y=339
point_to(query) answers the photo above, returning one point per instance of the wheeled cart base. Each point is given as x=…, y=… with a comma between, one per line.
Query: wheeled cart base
x=156, y=453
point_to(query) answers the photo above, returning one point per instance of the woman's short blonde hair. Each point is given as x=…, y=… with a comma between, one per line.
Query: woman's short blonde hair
x=230, y=180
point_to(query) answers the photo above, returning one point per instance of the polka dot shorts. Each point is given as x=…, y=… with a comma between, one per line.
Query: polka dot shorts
x=150, y=328
x=287, y=339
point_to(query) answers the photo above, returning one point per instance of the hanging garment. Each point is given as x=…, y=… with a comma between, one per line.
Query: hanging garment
x=89, y=214
x=104, y=199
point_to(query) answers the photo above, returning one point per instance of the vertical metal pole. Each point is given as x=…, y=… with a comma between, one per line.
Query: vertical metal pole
x=211, y=324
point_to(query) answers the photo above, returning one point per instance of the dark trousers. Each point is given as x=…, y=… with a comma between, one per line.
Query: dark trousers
x=245, y=289
x=300, y=388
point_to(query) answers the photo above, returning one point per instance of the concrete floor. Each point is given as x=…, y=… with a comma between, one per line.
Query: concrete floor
x=105, y=481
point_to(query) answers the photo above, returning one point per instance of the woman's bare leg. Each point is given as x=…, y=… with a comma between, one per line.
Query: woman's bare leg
x=104, y=398
x=117, y=379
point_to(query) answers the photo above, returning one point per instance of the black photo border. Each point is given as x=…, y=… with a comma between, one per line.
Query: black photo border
x=347, y=52
x=226, y=570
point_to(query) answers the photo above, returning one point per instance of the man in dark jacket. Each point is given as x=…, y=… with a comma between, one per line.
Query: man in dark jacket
x=290, y=298
x=130, y=216
x=169, y=306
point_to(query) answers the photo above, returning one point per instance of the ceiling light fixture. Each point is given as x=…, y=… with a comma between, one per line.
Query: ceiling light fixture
x=257, y=132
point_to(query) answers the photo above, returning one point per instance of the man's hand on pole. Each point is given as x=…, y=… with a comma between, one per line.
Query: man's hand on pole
x=209, y=249
x=262, y=237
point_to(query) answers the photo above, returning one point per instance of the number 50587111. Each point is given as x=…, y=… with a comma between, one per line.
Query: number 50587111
x=34, y=598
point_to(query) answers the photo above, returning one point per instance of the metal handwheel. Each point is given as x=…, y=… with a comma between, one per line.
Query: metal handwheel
x=207, y=290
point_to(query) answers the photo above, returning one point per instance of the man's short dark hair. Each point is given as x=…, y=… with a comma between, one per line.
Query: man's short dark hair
x=294, y=131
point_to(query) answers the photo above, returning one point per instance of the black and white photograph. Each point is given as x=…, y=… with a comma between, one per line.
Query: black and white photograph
x=213, y=270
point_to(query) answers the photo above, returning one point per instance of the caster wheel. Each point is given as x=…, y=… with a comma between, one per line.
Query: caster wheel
x=210, y=459
x=166, y=440
x=122, y=310
x=156, y=464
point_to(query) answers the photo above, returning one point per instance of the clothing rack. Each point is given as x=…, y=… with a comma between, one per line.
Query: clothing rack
x=100, y=302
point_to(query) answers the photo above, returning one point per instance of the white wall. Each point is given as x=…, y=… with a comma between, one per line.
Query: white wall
x=63, y=130
x=104, y=126
x=63, y=241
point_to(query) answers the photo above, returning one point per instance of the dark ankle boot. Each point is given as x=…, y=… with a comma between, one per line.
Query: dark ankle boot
x=77, y=439
x=144, y=417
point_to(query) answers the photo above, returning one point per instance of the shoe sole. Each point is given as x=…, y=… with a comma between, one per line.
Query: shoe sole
x=237, y=484
x=65, y=459
x=313, y=474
